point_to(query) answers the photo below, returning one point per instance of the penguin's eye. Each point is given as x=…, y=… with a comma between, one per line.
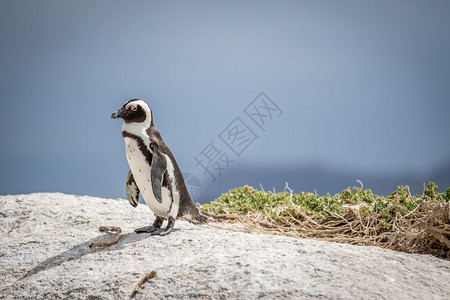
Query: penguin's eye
x=132, y=107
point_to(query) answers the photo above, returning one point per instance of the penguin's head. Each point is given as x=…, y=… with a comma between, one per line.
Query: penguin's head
x=134, y=111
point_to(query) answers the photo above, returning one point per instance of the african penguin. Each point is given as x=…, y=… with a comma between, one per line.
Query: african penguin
x=154, y=173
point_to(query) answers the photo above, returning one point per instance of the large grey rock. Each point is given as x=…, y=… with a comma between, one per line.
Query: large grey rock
x=45, y=254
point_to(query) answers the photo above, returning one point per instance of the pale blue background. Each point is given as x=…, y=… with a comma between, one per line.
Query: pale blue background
x=364, y=87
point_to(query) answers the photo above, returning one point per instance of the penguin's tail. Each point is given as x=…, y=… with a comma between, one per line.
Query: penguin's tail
x=194, y=215
x=190, y=212
x=199, y=218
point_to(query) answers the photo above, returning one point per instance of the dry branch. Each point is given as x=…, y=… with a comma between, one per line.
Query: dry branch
x=438, y=234
x=110, y=242
x=142, y=281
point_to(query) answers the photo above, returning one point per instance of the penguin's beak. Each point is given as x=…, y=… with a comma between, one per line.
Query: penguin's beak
x=119, y=113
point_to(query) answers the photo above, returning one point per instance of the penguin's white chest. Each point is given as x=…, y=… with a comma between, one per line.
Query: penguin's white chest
x=141, y=170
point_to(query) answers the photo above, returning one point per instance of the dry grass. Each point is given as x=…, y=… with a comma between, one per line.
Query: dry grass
x=402, y=222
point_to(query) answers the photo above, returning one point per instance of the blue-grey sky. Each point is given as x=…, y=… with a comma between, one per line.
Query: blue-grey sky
x=364, y=86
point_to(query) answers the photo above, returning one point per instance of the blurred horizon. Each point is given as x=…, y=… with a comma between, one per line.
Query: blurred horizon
x=353, y=90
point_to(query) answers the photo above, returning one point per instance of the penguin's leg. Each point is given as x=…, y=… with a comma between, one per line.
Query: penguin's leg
x=149, y=229
x=167, y=230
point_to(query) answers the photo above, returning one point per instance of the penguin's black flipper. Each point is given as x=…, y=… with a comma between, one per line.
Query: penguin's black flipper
x=132, y=190
x=159, y=166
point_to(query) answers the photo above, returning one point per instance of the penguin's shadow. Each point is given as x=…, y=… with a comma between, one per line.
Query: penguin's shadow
x=84, y=249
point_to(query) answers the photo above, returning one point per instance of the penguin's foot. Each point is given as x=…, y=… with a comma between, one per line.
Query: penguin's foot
x=149, y=229
x=165, y=231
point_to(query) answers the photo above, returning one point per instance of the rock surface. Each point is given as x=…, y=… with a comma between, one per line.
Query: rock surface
x=45, y=254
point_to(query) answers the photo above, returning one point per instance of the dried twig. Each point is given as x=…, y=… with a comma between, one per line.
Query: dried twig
x=114, y=240
x=437, y=233
x=226, y=217
x=142, y=281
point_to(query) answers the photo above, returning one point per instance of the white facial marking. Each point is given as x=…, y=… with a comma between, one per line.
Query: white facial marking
x=131, y=106
x=138, y=128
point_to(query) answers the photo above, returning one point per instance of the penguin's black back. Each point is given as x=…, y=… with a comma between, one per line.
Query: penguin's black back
x=187, y=207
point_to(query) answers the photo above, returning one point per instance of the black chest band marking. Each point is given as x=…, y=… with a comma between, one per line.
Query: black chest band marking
x=142, y=147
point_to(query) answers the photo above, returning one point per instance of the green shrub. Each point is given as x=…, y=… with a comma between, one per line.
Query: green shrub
x=354, y=215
